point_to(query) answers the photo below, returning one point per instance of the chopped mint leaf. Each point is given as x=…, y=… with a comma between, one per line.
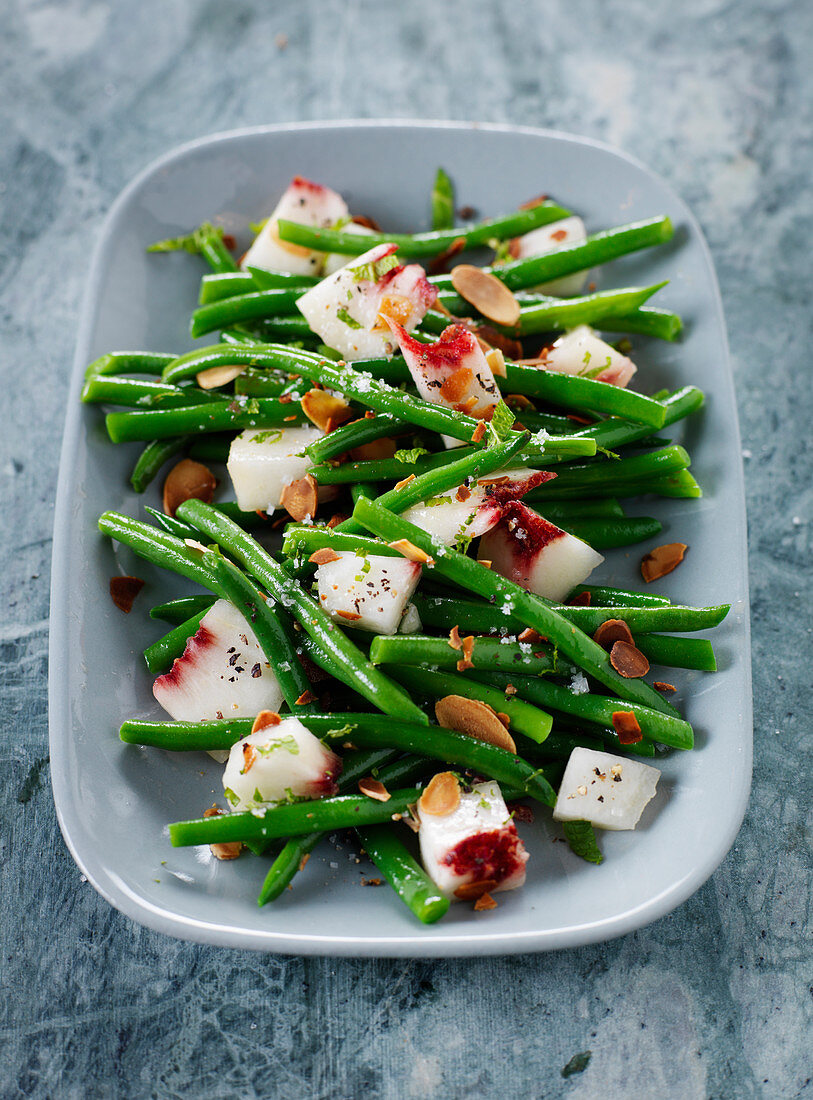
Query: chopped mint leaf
x=193, y=242
x=252, y=406
x=501, y=423
x=343, y=315
x=442, y=201
x=375, y=269
x=581, y=840
x=287, y=743
x=411, y=455
x=578, y=1063
x=257, y=227
x=606, y=453
x=502, y=252
x=257, y=796
x=273, y=435
x=231, y=797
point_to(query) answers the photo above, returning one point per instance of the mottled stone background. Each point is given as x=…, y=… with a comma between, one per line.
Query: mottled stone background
x=713, y=1001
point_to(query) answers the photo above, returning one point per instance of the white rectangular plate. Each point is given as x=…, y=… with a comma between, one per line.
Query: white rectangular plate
x=114, y=800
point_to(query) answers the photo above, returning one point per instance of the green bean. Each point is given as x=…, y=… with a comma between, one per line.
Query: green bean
x=407, y=878
x=243, y=307
x=533, y=611
x=160, y=655
x=531, y=721
x=355, y=766
x=213, y=447
x=655, y=724
x=277, y=328
x=581, y=509
x=580, y=729
x=605, y=534
x=115, y=390
x=646, y=321
x=336, y=649
x=619, y=597
x=227, y=284
x=641, y=467
x=573, y=256
x=302, y=541
x=292, y=819
x=696, y=653
x=355, y=434
x=178, y=611
x=193, y=362
x=125, y=362
x=364, y=490
x=216, y=254
x=273, y=629
x=583, y=394
x=430, y=652
x=259, y=412
x=186, y=736
x=422, y=244
x=276, y=280
x=368, y=731
x=615, y=432
x=679, y=485
x=158, y=547
x=263, y=383
x=153, y=457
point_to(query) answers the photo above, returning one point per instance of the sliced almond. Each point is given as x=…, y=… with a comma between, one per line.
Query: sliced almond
x=305, y=698
x=223, y=850
x=662, y=560
x=485, y=901
x=518, y=401
x=304, y=860
x=470, y=891
x=410, y=551
x=474, y=718
x=323, y=409
x=441, y=796
x=478, y=432
x=123, y=591
x=299, y=498
x=375, y=449
x=265, y=719
x=496, y=360
x=582, y=599
x=531, y=203
x=530, y=635
x=628, y=661
x=438, y=265
x=509, y=690
x=486, y=293
x=462, y=495
x=249, y=757
x=468, y=649
x=336, y=519
x=188, y=480
x=485, y=562
x=455, y=641
x=663, y=686
x=494, y=339
x=612, y=631
x=323, y=556
x=406, y=481
x=214, y=377
x=351, y=616
x=626, y=726
x=373, y=788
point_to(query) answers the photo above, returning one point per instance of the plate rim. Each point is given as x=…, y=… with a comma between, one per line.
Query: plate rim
x=423, y=943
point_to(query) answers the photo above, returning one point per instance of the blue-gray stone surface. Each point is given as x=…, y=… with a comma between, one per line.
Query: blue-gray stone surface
x=712, y=1001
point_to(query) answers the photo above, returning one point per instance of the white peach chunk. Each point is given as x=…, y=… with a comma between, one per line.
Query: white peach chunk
x=368, y=592
x=546, y=239
x=262, y=461
x=350, y=309
x=281, y=760
x=582, y=352
x=452, y=371
x=609, y=791
x=309, y=204
x=476, y=843
x=536, y=554
x=223, y=672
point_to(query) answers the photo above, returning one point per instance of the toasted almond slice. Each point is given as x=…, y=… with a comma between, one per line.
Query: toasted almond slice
x=249, y=757
x=509, y=690
x=410, y=551
x=323, y=556
x=626, y=726
x=475, y=719
x=531, y=635
x=486, y=293
x=662, y=685
x=304, y=860
x=265, y=719
x=518, y=401
x=351, y=616
x=583, y=599
x=441, y=796
x=485, y=562
x=485, y=901
x=628, y=661
x=123, y=590
x=299, y=498
x=336, y=519
x=489, y=337
x=470, y=891
x=468, y=649
x=496, y=360
x=406, y=481
x=411, y=818
x=531, y=203
x=612, y=631
x=214, y=377
x=478, y=432
x=305, y=698
x=455, y=641
x=462, y=494
x=504, y=718
x=373, y=788
x=193, y=544
x=662, y=560
x=223, y=850
x=322, y=409
x=375, y=449
x=188, y=480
